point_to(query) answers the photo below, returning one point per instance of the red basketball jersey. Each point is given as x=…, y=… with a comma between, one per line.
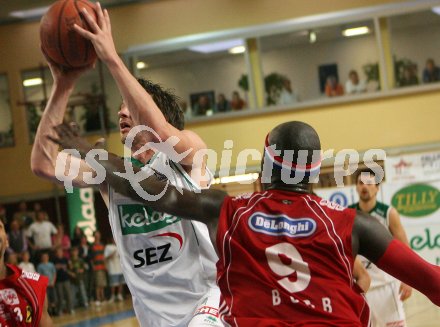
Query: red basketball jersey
x=22, y=297
x=286, y=260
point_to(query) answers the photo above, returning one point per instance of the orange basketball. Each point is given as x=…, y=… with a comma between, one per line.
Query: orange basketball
x=59, y=41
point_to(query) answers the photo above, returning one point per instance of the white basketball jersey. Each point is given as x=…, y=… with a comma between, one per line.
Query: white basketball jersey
x=168, y=262
x=379, y=277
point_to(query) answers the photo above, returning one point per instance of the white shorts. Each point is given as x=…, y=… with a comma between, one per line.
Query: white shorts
x=385, y=306
x=206, y=313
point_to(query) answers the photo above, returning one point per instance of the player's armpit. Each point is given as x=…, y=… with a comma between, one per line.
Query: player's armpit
x=411, y=270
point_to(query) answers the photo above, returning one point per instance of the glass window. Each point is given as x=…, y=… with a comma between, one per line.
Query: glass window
x=320, y=62
x=6, y=126
x=415, y=48
x=93, y=105
x=207, y=78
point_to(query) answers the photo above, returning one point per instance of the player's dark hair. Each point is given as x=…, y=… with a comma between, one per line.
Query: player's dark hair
x=299, y=137
x=166, y=101
x=367, y=171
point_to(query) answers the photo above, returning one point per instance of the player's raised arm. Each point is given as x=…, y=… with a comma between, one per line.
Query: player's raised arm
x=44, y=153
x=143, y=109
x=372, y=240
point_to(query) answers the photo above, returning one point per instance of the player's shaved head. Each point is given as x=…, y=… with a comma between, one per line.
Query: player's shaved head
x=292, y=154
x=295, y=135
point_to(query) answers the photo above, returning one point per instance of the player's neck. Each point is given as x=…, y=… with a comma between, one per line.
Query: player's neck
x=143, y=156
x=299, y=188
x=367, y=206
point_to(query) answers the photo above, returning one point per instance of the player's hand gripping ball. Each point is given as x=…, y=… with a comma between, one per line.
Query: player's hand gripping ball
x=59, y=41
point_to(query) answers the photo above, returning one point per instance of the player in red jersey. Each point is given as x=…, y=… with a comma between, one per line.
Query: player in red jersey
x=285, y=256
x=22, y=294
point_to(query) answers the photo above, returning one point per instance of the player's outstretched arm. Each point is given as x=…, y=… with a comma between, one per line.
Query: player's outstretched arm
x=140, y=104
x=372, y=240
x=203, y=206
x=44, y=153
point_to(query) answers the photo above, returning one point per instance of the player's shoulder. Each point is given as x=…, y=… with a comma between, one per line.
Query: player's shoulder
x=31, y=276
x=330, y=206
x=241, y=200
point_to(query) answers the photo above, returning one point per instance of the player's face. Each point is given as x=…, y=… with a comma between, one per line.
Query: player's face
x=125, y=121
x=366, y=188
x=3, y=240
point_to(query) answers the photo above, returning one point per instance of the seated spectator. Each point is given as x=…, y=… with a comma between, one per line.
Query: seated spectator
x=25, y=264
x=237, y=103
x=287, y=94
x=222, y=104
x=17, y=238
x=431, y=73
x=47, y=268
x=333, y=87
x=409, y=77
x=203, y=106
x=354, y=85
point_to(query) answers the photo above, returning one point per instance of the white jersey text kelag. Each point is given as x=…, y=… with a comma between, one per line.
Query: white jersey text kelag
x=168, y=262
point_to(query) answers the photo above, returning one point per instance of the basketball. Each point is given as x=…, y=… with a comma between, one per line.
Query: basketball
x=59, y=41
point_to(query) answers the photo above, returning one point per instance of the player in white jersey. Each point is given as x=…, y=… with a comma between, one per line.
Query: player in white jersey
x=386, y=294
x=168, y=264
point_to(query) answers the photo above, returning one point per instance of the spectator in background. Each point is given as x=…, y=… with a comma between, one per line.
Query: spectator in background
x=204, y=106
x=353, y=84
x=222, y=105
x=77, y=268
x=3, y=217
x=62, y=284
x=24, y=217
x=409, y=76
x=237, y=103
x=60, y=239
x=17, y=238
x=333, y=87
x=78, y=233
x=12, y=259
x=287, y=94
x=25, y=264
x=99, y=271
x=431, y=73
x=39, y=234
x=84, y=254
x=114, y=269
x=47, y=268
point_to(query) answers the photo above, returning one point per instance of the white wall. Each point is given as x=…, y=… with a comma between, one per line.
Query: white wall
x=219, y=75
x=300, y=63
